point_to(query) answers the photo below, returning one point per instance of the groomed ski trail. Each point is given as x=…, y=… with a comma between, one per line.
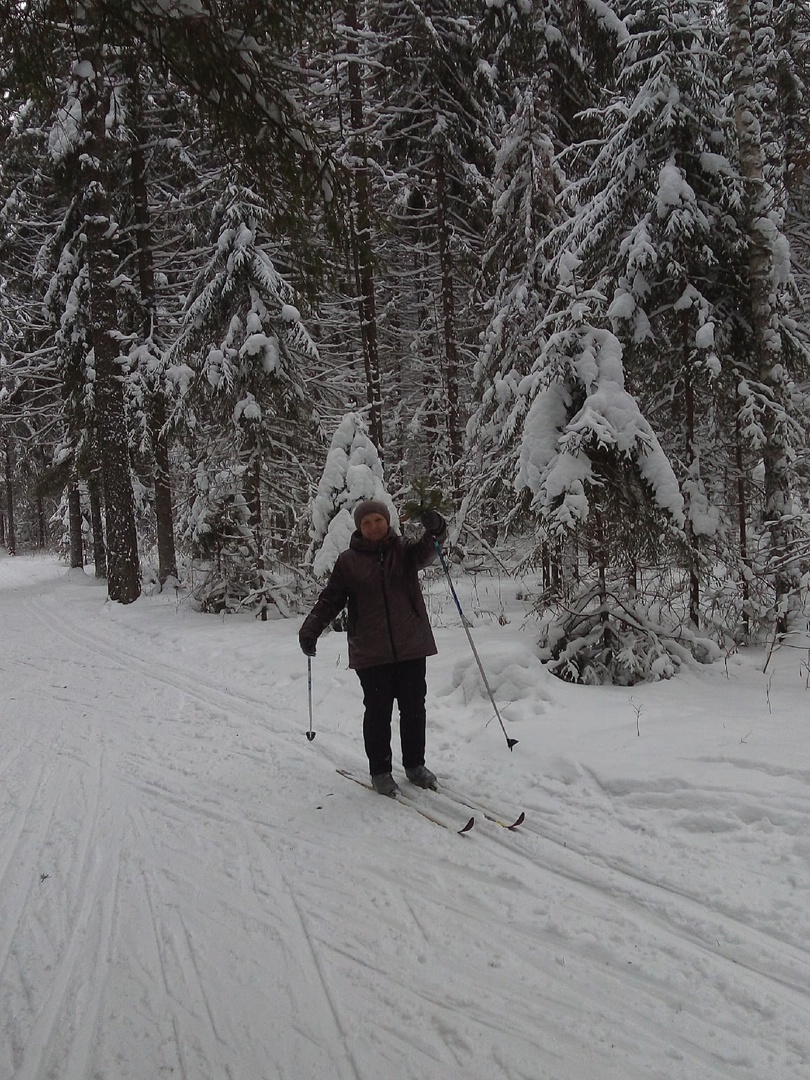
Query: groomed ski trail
x=186, y=888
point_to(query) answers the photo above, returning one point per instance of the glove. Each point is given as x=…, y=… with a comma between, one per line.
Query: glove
x=433, y=522
x=308, y=645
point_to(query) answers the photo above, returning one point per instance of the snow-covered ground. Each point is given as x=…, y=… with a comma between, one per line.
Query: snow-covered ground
x=188, y=888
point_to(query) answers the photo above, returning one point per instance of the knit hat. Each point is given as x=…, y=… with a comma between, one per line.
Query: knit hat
x=370, y=506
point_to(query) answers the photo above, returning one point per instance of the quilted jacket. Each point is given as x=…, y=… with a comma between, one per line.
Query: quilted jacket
x=387, y=618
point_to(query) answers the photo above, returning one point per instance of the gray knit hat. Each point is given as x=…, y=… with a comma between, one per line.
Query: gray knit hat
x=370, y=506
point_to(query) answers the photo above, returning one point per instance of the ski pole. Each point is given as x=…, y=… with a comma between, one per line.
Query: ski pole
x=465, y=623
x=310, y=733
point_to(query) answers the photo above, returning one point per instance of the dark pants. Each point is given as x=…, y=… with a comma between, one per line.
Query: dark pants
x=382, y=685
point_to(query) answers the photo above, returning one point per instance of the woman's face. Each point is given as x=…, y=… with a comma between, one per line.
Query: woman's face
x=374, y=528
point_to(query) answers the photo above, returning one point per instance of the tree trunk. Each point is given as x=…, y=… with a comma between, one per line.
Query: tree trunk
x=11, y=537
x=123, y=569
x=742, y=515
x=601, y=555
x=254, y=501
x=763, y=299
x=42, y=524
x=75, y=526
x=164, y=510
x=97, y=526
x=694, y=473
x=164, y=507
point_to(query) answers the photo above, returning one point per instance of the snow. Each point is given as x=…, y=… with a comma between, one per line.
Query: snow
x=248, y=408
x=190, y=889
x=65, y=135
x=715, y=164
x=704, y=336
x=554, y=455
x=609, y=19
x=673, y=190
x=353, y=472
x=83, y=69
x=623, y=305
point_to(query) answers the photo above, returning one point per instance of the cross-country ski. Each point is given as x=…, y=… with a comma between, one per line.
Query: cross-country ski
x=404, y=800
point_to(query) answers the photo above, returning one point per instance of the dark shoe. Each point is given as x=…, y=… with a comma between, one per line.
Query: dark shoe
x=385, y=784
x=421, y=776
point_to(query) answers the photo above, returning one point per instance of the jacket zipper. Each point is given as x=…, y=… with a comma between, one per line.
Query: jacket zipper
x=387, y=611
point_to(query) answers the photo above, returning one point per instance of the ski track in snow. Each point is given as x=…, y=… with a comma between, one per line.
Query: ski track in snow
x=188, y=889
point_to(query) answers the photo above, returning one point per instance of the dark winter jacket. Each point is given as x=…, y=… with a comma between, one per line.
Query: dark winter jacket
x=387, y=619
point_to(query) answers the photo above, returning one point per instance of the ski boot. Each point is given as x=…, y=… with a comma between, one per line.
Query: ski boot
x=421, y=776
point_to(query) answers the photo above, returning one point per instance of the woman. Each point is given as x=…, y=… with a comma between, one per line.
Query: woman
x=388, y=631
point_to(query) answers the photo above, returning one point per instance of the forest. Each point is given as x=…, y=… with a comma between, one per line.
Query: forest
x=544, y=264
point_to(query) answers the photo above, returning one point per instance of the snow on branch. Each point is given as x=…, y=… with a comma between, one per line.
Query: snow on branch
x=560, y=441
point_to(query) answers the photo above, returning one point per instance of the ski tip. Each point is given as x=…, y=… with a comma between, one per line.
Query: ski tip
x=467, y=827
x=519, y=821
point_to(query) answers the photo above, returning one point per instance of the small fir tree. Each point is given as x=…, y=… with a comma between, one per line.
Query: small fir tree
x=599, y=482
x=353, y=472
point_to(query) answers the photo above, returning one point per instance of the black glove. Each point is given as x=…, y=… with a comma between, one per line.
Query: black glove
x=433, y=522
x=308, y=645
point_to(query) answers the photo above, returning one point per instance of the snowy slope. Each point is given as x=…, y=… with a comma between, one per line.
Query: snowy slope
x=189, y=889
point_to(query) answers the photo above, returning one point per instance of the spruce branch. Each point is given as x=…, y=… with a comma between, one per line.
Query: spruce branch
x=422, y=497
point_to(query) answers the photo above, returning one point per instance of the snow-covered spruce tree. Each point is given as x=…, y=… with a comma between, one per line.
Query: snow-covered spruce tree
x=342, y=93
x=84, y=70
x=95, y=79
x=29, y=393
x=777, y=351
x=51, y=253
x=602, y=486
x=54, y=361
x=7, y=498
x=792, y=47
x=526, y=52
x=353, y=472
x=238, y=366
x=44, y=215
x=433, y=158
x=155, y=114
x=651, y=226
x=792, y=26
x=76, y=457
x=221, y=539
x=233, y=60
